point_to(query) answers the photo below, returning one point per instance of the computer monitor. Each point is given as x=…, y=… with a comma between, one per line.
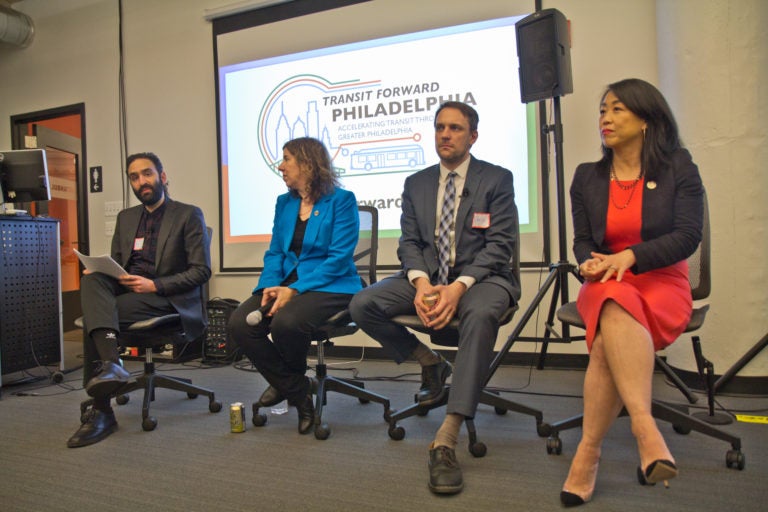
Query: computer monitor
x=24, y=176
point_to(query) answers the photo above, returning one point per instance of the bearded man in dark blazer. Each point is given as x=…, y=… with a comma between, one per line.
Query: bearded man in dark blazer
x=163, y=245
x=480, y=285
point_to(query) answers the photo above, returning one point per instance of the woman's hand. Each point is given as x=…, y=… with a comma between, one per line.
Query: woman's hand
x=603, y=267
x=280, y=294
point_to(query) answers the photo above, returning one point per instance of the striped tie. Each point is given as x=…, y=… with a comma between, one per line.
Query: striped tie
x=444, y=231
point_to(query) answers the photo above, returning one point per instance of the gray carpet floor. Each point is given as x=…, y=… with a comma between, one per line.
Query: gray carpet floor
x=192, y=462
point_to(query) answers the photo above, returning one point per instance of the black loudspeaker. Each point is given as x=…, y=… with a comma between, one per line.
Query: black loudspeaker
x=544, y=52
x=217, y=345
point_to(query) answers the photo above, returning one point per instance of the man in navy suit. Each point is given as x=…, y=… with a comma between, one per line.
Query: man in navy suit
x=482, y=232
x=163, y=245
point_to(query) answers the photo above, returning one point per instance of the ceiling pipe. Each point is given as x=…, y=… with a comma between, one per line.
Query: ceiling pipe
x=16, y=28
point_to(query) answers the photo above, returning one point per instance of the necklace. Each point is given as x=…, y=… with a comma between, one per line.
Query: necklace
x=305, y=210
x=631, y=187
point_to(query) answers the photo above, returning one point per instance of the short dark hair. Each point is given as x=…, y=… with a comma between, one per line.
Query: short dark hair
x=146, y=156
x=469, y=112
x=661, y=137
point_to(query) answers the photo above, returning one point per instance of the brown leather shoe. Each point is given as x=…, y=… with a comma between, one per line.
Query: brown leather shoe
x=444, y=471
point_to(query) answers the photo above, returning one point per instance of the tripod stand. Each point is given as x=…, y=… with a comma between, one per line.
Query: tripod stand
x=558, y=272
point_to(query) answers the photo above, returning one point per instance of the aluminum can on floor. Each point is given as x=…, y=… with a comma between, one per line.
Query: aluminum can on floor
x=237, y=417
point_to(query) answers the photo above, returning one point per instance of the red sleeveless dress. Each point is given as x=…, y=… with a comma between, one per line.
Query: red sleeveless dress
x=659, y=299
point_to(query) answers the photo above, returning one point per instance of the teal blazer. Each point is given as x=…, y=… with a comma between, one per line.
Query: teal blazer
x=326, y=261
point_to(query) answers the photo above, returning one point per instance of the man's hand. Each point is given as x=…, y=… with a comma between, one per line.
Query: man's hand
x=138, y=284
x=440, y=314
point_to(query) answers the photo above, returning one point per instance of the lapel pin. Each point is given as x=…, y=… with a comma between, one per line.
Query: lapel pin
x=651, y=185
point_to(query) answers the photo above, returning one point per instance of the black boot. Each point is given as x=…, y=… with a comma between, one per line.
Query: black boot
x=306, y=409
x=271, y=396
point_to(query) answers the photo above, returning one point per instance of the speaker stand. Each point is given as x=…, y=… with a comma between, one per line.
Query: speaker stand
x=558, y=274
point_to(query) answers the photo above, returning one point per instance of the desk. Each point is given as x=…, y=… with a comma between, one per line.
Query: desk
x=30, y=293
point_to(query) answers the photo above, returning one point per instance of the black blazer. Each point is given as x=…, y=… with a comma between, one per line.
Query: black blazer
x=182, y=261
x=672, y=213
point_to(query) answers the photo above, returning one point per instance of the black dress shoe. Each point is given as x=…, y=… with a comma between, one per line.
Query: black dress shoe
x=271, y=396
x=99, y=425
x=306, y=410
x=111, y=378
x=444, y=471
x=433, y=379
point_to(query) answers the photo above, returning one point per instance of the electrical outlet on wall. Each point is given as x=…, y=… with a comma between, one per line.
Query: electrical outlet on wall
x=112, y=208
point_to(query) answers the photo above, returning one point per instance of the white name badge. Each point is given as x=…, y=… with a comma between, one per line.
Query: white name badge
x=138, y=244
x=481, y=220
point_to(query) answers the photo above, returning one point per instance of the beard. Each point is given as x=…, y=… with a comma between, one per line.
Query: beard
x=150, y=194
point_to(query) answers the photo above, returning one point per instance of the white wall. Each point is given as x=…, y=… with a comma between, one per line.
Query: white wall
x=707, y=56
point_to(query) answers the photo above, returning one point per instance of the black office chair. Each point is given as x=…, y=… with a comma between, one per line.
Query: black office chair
x=448, y=336
x=147, y=335
x=677, y=415
x=150, y=335
x=341, y=324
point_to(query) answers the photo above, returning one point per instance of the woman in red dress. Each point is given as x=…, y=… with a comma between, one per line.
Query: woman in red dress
x=637, y=216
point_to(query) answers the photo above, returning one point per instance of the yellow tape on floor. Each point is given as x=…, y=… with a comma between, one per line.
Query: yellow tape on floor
x=745, y=418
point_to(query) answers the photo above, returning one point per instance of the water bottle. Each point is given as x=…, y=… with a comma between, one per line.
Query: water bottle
x=280, y=408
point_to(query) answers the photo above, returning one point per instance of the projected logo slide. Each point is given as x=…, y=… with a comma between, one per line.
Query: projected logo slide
x=372, y=105
x=369, y=128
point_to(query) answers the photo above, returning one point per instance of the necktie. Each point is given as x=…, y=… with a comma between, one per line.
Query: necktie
x=444, y=231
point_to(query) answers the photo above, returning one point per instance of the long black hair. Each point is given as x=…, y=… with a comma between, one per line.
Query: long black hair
x=661, y=137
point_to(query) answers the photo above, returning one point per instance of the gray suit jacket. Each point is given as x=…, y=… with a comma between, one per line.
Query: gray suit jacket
x=484, y=254
x=182, y=261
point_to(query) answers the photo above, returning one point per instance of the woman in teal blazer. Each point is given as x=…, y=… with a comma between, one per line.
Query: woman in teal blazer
x=309, y=275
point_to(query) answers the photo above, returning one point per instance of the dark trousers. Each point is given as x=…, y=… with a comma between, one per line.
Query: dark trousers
x=109, y=305
x=478, y=312
x=278, y=346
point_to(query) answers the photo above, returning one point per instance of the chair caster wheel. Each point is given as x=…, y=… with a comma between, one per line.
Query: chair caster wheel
x=322, y=431
x=735, y=459
x=478, y=449
x=396, y=433
x=122, y=399
x=191, y=395
x=214, y=406
x=500, y=411
x=543, y=429
x=149, y=423
x=363, y=401
x=681, y=430
x=554, y=445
